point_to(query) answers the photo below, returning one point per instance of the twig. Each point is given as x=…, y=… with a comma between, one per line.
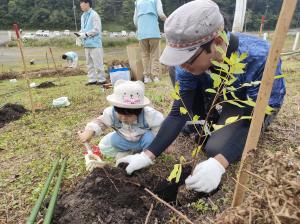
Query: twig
x=211, y=202
x=210, y=220
x=169, y=206
x=270, y=206
x=252, y=192
x=255, y=175
x=148, y=215
x=110, y=179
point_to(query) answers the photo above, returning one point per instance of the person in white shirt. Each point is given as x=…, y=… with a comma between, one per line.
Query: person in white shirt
x=134, y=122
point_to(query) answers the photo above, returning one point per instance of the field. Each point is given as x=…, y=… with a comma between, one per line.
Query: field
x=28, y=147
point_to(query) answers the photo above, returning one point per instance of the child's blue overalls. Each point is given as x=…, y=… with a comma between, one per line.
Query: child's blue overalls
x=118, y=140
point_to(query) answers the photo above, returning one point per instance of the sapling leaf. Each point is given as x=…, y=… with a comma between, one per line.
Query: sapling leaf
x=237, y=68
x=269, y=110
x=183, y=110
x=217, y=79
x=210, y=91
x=224, y=94
x=231, y=81
x=196, y=118
x=177, y=87
x=223, y=35
x=245, y=118
x=246, y=84
x=234, y=96
x=217, y=126
x=175, y=96
x=182, y=159
x=280, y=76
x=255, y=83
x=196, y=151
x=220, y=65
x=231, y=119
x=235, y=103
x=175, y=172
x=249, y=102
x=226, y=60
x=243, y=56
x=234, y=58
x=220, y=50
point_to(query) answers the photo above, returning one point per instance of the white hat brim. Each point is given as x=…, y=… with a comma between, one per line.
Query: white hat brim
x=173, y=56
x=113, y=101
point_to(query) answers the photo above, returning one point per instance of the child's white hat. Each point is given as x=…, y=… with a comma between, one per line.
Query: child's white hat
x=128, y=94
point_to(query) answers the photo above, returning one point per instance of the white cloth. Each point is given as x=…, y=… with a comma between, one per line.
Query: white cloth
x=153, y=118
x=160, y=13
x=206, y=176
x=135, y=162
x=94, y=63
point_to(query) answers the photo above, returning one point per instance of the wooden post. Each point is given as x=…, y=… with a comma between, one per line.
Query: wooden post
x=47, y=60
x=25, y=68
x=54, y=63
x=296, y=41
x=282, y=27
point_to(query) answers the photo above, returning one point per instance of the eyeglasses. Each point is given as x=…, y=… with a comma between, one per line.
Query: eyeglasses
x=195, y=56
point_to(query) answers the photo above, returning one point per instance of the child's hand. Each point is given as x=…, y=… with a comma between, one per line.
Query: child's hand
x=85, y=136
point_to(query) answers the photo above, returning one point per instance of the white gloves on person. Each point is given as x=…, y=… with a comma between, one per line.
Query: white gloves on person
x=206, y=176
x=135, y=162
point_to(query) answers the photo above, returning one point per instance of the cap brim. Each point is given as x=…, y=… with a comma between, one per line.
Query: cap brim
x=113, y=101
x=173, y=56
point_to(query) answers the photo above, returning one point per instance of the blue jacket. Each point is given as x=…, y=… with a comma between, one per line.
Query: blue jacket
x=91, y=25
x=71, y=55
x=257, y=50
x=147, y=19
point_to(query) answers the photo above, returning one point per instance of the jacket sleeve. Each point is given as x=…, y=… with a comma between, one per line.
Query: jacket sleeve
x=97, y=27
x=101, y=123
x=160, y=10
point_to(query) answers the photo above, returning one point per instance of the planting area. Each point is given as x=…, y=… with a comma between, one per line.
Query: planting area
x=29, y=144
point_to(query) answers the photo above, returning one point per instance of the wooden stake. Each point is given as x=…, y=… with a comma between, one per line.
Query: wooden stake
x=54, y=63
x=25, y=68
x=282, y=27
x=47, y=60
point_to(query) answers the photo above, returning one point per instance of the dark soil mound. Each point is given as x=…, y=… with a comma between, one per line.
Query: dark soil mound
x=11, y=112
x=46, y=85
x=109, y=196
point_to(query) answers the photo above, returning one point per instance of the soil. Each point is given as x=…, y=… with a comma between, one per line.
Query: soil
x=109, y=196
x=47, y=84
x=11, y=112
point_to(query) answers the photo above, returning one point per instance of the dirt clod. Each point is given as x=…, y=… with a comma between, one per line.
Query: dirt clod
x=11, y=112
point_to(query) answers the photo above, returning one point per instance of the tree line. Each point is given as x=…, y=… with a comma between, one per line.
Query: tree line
x=117, y=14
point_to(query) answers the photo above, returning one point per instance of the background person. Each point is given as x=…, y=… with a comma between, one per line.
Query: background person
x=146, y=20
x=72, y=59
x=90, y=33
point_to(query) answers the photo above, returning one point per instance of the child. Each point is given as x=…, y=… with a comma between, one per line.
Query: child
x=72, y=59
x=135, y=123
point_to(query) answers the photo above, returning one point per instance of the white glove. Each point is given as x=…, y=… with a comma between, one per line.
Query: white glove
x=206, y=176
x=135, y=162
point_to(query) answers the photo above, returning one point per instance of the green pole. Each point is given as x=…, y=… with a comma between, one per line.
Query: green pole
x=43, y=193
x=52, y=203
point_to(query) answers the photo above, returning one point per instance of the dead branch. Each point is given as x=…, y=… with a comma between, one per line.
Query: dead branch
x=149, y=213
x=270, y=206
x=255, y=175
x=252, y=192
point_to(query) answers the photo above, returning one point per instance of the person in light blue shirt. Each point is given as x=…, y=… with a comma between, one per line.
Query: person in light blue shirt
x=146, y=20
x=72, y=59
x=90, y=34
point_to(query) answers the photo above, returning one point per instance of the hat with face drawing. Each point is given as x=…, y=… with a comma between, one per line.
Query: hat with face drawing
x=128, y=94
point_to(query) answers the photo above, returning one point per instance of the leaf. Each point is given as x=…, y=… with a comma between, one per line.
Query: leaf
x=175, y=96
x=196, y=151
x=269, y=110
x=196, y=118
x=280, y=76
x=224, y=94
x=231, y=81
x=183, y=110
x=217, y=127
x=210, y=91
x=217, y=79
x=243, y=56
x=182, y=159
x=220, y=65
x=177, y=87
x=255, y=83
x=234, y=58
x=246, y=84
x=220, y=50
x=235, y=103
x=231, y=119
x=223, y=35
x=175, y=173
x=249, y=102
x=237, y=68
x=245, y=118
x=233, y=95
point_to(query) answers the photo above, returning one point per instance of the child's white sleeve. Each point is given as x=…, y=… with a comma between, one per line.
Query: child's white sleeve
x=102, y=122
x=153, y=118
